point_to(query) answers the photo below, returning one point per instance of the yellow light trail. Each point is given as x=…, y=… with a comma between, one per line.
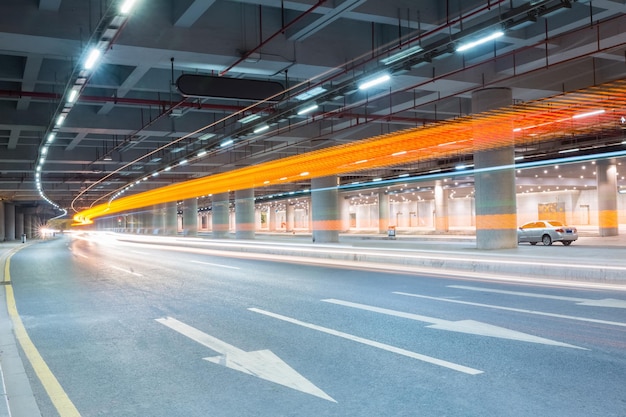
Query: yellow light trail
x=521, y=124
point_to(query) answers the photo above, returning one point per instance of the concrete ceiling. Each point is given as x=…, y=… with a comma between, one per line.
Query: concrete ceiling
x=130, y=120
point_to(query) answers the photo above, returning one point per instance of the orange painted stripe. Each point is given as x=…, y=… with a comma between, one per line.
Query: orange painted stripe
x=496, y=221
x=245, y=227
x=327, y=225
x=608, y=218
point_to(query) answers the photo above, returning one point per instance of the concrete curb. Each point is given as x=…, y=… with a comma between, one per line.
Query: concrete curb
x=20, y=399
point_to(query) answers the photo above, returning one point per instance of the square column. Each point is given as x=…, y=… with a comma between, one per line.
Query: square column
x=244, y=214
x=325, y=209
x=220, y=215
x=608, y=223
x=494, y=164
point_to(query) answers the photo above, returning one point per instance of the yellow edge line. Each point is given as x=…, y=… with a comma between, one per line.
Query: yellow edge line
x=57, y=395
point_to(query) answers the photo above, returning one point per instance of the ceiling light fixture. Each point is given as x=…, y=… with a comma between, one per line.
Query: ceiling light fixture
x=249, y=118
x=374, y=81
x=261, y=128
x=226, y=143
x=480, y=41
x=93, y=56
x=206, y=136
x=310, y=94
x=73, y=95
x=127, y=6
x=308, y=109
x=398, y=56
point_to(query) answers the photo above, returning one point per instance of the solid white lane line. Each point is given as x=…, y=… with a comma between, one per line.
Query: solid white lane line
x=518, y=310
x=606, y=302
x=218, y=265
x=383, y=346
x=127, y=271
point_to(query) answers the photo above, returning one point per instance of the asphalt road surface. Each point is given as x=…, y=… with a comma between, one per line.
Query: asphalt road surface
x=132, y=329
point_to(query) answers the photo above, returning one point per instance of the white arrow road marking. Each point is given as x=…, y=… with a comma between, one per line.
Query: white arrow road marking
x=606, y=302
x=462, y=326
x=383, y=346
x=519, y=310
x=220, y=265
x=262, y=363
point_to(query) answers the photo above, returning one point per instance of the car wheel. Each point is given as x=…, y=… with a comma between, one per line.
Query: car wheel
x=546, y=240
x=533, y=243
x=567, y=242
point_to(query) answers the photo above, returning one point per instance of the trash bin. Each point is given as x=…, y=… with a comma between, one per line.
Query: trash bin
x=23, y=237
x=391, y=232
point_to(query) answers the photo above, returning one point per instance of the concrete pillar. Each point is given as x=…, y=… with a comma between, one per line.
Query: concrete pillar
x=2, y=230
x=271, y=218
x=9, y=221
x=28, y=225
x=325, y=209
x=19, y=224
x=442, y=224
x=383, y=212
x=157, y=219
x=496, y=208
x=290, y=216
x=220, y=215
x=244, y=214
x=190, y=217
x=608, y=223
x=344, y=208
x=171, y=218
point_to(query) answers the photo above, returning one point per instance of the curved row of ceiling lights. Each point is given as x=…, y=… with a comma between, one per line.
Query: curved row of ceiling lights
x=306, y=101
x=110, y=25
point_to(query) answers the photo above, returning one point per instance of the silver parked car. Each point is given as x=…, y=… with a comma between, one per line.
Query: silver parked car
x=546, y=232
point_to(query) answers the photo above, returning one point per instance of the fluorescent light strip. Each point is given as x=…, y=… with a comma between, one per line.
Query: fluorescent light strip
x=480, y=41
x=310, y=94
x=307, y=109
x=94, y=54
x=261, y=129
x=72, y=97
x=375, y=81
x=206, y=136
x=401, y=55
x=249, y=119
x=127, y=6
x=226, y=143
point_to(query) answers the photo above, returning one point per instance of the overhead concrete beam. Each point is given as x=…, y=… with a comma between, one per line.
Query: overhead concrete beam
x=50, y=5
x=185, y=17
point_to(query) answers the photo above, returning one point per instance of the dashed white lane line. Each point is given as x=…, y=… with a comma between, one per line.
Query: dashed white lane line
x=127, y=271
x=373, y=343
x=519, y=310
x=218, y=265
